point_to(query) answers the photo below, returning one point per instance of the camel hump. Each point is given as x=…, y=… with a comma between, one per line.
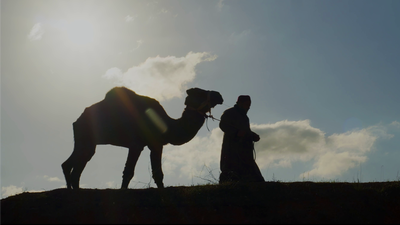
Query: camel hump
x=118, y=96
x=124, y=94
x=116, y=92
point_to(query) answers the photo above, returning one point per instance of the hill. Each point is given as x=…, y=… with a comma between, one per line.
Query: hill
x=269, y=202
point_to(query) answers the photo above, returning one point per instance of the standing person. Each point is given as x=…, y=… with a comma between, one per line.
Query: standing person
x=237, y=161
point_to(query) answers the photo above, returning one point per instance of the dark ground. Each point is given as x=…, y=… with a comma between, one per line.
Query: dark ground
x=270, y=202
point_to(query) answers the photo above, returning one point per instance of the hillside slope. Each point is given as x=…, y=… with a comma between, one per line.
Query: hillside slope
x=270, y=202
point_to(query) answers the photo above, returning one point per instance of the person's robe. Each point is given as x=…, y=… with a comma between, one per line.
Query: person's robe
x=237, y=161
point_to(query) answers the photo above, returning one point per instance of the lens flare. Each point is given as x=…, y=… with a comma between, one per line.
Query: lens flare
x=156, y=119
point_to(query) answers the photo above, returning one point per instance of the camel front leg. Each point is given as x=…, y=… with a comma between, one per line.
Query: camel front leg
x=155, y=158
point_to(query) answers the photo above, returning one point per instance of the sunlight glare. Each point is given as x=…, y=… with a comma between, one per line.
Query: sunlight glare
x=156, y=119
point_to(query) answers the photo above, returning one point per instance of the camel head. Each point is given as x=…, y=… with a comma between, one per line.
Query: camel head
x=202, y=100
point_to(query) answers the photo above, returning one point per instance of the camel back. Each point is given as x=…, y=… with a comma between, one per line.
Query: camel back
x=123, y=93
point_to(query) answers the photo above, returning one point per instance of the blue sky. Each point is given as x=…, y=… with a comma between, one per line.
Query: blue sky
x=323, y=77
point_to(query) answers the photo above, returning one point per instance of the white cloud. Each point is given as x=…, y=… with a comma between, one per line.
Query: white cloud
x=113, y=73
x=291, y=141
x=52, y=179
x=288, y=136
x=281, y=144
x=36, y=32
x=332, y=164
x=14, y=190
x=10, y=190
x=186, y=160
x=111, y=184
x=395, y=124
x=160, y=77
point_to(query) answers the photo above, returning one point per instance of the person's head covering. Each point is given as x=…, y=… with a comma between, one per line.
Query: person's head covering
x=243, y=98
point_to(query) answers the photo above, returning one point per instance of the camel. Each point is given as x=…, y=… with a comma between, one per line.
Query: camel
x=124, y=118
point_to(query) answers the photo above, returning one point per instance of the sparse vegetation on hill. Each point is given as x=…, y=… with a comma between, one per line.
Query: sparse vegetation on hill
x=270, y=202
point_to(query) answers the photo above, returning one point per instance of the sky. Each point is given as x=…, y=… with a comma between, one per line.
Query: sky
x=323, y=77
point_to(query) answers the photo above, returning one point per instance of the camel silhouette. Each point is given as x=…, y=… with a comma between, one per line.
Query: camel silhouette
x=124, y=118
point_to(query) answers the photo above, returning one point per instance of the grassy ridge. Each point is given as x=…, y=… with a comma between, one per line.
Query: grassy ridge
x=270, y=202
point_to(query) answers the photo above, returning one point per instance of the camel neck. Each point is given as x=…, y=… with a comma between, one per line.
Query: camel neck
x=185, y=128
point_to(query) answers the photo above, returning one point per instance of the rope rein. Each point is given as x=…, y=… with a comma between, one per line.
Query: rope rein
x=212, y=117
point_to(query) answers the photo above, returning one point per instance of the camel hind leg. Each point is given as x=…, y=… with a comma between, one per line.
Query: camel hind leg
x=74, y=165
x=67, y=168
x=155, y=159
x=129, y=170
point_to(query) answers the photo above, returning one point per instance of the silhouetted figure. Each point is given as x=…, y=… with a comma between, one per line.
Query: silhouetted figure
x=133, y=121
x=237, y=161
